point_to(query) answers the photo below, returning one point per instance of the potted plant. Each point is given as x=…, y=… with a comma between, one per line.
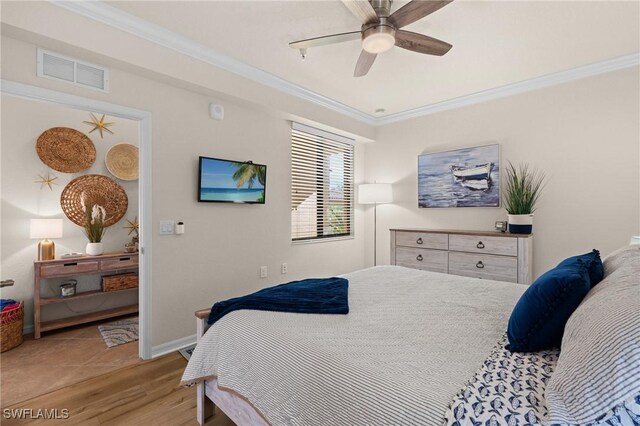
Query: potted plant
x=94, y=229
x=523, y=186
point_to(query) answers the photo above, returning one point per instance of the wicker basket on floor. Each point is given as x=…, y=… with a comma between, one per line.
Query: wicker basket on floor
x=11, y=324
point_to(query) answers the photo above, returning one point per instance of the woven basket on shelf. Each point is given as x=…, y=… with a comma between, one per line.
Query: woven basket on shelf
x=11, y=324
x=97, y=189
x=119, y=281
x=122, y=161
x=66, y=150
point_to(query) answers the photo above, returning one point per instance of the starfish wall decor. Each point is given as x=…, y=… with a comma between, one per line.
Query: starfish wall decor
x=132, y=226
x=99, y=125
x=47, y=181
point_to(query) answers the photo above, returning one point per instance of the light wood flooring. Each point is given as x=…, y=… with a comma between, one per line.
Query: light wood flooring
x=58, y=359
x=147, y=393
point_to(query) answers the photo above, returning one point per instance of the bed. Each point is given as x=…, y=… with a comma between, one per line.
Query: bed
x=416, y=348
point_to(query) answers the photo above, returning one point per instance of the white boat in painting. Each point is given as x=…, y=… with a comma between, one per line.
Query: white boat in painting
x=482, y=171
x=476, y=177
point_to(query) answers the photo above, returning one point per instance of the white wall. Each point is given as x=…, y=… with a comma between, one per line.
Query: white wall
x=583, y=134
x=224, y=246
x=22, y=199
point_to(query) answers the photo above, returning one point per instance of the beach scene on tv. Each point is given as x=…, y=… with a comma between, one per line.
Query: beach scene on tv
x=230, y=181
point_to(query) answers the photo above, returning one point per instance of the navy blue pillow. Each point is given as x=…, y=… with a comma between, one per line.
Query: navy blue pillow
x=594, y=264
x=537, y=322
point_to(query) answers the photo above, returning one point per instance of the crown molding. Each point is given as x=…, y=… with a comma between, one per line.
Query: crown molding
x=119, y=19
x=536, y=83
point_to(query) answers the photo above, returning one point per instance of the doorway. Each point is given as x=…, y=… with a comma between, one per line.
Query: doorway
x=138, y=120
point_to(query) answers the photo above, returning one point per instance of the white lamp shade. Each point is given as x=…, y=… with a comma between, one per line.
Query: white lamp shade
x=45, y=229
x=378, y=42
x=375, y=193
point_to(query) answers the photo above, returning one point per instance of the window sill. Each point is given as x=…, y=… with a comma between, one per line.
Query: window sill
x=322, y=240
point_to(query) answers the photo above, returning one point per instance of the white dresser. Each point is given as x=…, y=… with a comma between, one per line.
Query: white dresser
x=490, y=255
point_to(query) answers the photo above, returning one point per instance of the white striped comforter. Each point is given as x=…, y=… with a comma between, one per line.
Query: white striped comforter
x=411, y=341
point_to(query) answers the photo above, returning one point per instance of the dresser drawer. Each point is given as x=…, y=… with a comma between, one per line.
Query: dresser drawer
x=123, y=262
x=422, y=240
x=483, y=244
x=425, y=259
x=499, y=268
x=68, y=268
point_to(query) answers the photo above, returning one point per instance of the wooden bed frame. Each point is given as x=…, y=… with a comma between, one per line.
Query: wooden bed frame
x=210, y=395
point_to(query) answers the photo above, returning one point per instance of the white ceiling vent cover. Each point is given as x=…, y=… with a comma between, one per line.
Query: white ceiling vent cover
x=59, y=67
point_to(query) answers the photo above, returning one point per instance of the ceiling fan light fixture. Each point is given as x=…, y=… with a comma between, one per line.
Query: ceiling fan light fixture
x=378, y=39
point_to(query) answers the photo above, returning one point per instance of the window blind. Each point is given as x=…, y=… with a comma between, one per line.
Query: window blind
x=321, y=184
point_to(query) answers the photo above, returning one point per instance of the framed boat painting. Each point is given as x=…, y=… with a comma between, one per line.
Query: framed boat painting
x=468, y=177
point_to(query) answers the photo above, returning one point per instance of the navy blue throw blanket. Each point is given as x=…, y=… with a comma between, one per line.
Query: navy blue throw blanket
x=310, y=296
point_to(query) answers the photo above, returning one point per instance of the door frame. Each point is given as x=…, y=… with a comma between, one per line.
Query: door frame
x=35, y=93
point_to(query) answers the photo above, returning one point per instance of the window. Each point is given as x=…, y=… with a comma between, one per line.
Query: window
x=321, y=184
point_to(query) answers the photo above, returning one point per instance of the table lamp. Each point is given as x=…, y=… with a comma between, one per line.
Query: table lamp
x=375, y=193
x=45, y=229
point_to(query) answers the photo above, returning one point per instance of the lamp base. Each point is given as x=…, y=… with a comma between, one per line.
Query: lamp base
x=46, y=250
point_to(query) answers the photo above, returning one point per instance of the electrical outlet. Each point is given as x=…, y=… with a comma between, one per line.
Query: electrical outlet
x=263, y=272
x=284, y=268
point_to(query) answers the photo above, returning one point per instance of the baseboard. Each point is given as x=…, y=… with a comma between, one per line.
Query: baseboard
x=172, y=346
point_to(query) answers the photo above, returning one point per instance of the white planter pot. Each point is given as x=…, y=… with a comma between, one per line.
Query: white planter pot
x=94, y=249
x=520, y=223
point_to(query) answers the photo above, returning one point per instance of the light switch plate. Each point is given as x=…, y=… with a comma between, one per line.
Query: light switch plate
x=167, y=227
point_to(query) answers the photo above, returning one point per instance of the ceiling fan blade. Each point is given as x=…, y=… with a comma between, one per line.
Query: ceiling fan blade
x=414, y=10
x=324, y=40
x=364, y=63
x=421, y=43
x=362, y=10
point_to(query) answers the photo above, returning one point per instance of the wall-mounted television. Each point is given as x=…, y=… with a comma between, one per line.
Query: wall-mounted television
x=226, y=181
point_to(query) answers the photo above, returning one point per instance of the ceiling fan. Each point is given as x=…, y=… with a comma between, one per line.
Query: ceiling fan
x=380, y=30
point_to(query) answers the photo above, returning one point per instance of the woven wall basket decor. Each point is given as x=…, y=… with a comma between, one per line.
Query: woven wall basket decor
x=122, y=161
x=97, y=189
x=66, y=150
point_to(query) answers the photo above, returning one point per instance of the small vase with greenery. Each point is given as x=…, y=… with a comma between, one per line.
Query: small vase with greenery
x=523, y=187
x=94, y=228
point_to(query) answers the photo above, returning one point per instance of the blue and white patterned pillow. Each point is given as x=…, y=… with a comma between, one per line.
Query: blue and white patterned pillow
x=509, y=390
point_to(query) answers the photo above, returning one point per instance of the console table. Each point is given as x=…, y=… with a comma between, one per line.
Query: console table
x=83, y=265
x=499, y=256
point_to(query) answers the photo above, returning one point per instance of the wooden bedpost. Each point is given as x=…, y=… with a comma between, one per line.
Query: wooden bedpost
x=204, y=406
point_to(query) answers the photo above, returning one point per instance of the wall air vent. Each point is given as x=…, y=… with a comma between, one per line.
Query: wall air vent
x=63, y=68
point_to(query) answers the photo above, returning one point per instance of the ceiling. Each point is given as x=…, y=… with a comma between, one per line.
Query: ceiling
x=495, y=43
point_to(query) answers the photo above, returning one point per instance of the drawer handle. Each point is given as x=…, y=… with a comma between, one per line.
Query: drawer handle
x=124, y=258
x=480, y=265
x=480, y=245
x=419, y=258
x=71, y=264
x=419, y=240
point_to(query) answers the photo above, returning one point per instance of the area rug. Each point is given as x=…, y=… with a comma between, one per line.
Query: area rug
x=119, y=332
x=186, y=352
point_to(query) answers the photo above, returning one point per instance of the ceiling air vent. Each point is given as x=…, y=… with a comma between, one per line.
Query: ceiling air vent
x=59, y=67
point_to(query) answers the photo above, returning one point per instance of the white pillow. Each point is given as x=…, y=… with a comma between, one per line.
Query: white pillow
x=619, y=257
x=599, y=363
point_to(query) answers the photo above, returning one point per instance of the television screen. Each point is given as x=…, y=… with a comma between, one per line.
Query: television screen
x=226, y=181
